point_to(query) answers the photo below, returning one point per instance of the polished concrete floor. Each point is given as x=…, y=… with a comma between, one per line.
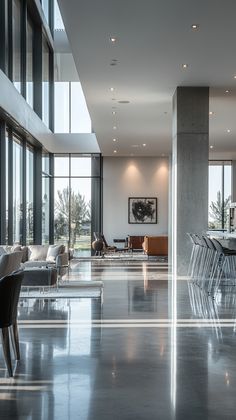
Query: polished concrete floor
x=149, y=352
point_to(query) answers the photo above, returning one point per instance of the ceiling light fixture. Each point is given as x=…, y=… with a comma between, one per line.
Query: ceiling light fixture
x=113, y=112
x=114, y=127
x=195, y=26
x=235, y=76
x=211, y=113
x=115, y=151
x=114, y=139
x=113, y=39
x=228, y=131
x=185, y=66
x=211, y=147
x=227, y=91
x=144, y=145
x=112, y=89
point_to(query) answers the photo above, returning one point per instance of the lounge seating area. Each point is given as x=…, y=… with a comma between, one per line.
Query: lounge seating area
x=43, y=265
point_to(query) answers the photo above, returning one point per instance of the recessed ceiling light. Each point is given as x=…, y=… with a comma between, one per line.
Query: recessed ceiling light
x=227, y=91
x=114, y=139
x=228, y=131
x=113, y=39
x=114, y=127
x=211, y=113
x=235, y=76
x=144, y=145
x=211, y=147
x=195, y=26
x=113, y=112
x=111, y=89
x=115, y=151
x=185, y=66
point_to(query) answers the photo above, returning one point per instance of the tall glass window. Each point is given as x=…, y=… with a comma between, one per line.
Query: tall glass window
x=45, y=199
x=17, y=191
x=219, y=195
x=29, y=196
x=16, y=44
x=71, y=113
x=61, y=107
x=45, y=84
x=29, y=64
x=72, y=200
x=45, y=7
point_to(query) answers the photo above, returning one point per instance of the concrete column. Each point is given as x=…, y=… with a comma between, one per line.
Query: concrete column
x=233, y=188
x=190, y=169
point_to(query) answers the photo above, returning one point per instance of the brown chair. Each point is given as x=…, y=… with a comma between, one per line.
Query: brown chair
x=155, y=245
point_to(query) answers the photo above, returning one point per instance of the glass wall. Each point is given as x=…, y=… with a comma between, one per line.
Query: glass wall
x=72, y=201
x=45, y=6
x=71, y=113
x=219, y=194
x=17, y=190
x=29, y=63
x=46, y=180
x=45, y=84
x=16, y=44
x=29, y=196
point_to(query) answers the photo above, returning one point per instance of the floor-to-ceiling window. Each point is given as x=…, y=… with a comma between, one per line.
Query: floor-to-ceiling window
x=46, y=180
x=45, y=83
x=29, y=195
x=73, y=180
x=71, y=113
x=29, y=62
x=17, y=190
x=16, y=44
x=7, y=187
x=219, y=194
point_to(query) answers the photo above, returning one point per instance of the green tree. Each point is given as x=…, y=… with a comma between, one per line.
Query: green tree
x=216, y=212
x=68, y=202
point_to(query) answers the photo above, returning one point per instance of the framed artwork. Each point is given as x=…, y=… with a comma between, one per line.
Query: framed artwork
x=142, y=210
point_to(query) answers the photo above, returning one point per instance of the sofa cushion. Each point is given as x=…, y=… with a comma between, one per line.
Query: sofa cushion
x=9, y=263
x=34, y=263
x=37, y=252
x=54, y=251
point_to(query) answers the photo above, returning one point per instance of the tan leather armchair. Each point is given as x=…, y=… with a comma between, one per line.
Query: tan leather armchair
x=155, y=245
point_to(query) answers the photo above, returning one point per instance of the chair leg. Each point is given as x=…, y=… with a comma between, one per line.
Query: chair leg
x=6, y=350
x=15, y=340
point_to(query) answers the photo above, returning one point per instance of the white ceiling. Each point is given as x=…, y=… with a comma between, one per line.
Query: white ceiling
x=154, y=39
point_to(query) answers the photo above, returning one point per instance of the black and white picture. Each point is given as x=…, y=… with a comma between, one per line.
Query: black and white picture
x=142, y=210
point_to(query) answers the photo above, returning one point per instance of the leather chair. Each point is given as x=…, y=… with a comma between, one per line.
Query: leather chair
x=10, y=286
x=155, y=245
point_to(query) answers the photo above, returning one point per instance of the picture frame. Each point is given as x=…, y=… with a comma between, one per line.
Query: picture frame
x=142, y=210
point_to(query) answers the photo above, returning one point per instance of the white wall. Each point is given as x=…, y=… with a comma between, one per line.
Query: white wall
x=133, y=177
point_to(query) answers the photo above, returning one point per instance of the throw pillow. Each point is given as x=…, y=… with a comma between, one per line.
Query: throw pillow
x=37, y=252
x=54, y=251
